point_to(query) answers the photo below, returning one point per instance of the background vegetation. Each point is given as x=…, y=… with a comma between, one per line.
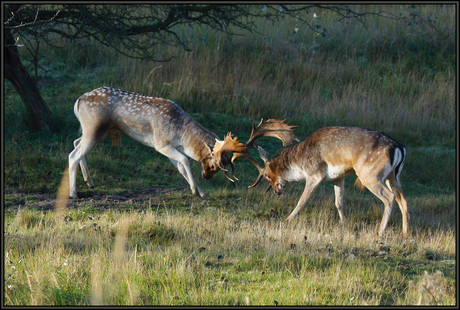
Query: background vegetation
x=234, y=247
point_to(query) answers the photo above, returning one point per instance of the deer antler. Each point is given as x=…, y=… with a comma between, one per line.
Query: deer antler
x=272, y=128
x=233, y=172
x=256, y=163
x=252, y=160
x=228, y=145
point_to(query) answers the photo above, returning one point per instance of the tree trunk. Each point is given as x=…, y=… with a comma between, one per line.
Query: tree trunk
x=40, y=114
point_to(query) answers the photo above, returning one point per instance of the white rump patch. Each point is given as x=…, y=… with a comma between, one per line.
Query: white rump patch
x=397, y=157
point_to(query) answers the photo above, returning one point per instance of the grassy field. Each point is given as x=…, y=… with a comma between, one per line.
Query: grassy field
x=140, y=238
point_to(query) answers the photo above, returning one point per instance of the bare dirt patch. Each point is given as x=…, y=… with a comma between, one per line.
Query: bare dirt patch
x=16, y=198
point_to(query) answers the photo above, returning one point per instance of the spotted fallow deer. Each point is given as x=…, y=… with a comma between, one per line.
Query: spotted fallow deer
x=155, y=122
x=333, y=153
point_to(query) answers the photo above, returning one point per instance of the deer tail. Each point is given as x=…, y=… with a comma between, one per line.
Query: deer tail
x=116, y=139
x=359, y=184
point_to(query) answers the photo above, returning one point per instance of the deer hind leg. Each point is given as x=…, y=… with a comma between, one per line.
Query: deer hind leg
x=84, y=166
x=82, y=147
x=402, y=203
x=181, y=162
x=310, y=186
x=339, y=189
x=377, y=187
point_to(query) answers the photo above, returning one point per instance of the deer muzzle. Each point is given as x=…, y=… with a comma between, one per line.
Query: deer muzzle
x=278, y=189
x=206, y=176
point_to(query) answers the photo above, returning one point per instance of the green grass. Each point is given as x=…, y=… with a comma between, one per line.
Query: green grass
x=140, y=238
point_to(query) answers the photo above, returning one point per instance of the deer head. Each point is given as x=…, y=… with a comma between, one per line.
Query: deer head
x=219, y=157
x=270, y=128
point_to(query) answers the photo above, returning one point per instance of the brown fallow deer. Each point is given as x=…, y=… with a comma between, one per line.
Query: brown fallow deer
x=333, y=153
x=155, y=122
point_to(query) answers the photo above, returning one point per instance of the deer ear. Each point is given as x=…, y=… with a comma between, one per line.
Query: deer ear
x=209, y=149
x=263, y=154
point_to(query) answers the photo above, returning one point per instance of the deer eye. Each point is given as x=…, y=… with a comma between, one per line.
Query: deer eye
x=267, y=177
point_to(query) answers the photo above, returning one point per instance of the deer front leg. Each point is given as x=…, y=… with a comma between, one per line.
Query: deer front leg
x=310, y=186
x=183, y=171
x=181, y=162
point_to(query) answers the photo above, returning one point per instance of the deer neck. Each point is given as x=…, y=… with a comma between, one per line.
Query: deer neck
x=287, y=164
x=196, y=137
